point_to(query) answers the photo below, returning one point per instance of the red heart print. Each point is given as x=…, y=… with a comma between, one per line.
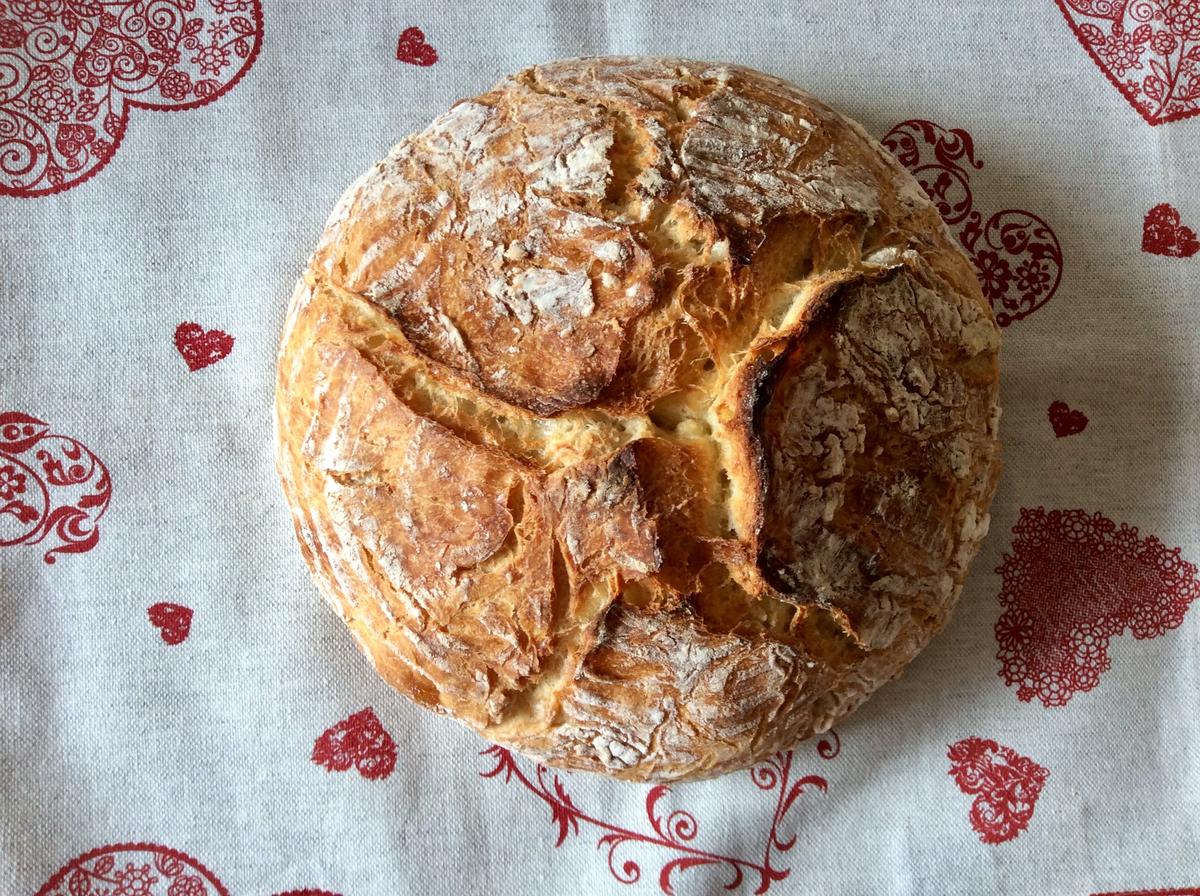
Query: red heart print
x=1163, y=233
x=1148, y=51
x=51, y=486
x=200, y=347
x=358, y=741
x=173, y=620
x=144, y=869
x=1005, y=784
x=1016, y=254
x=1065, y=420
x=413, y=49
x=1073, y=582
x=74, y=100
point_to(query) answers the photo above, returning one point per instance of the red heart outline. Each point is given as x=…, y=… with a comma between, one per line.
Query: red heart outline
x=52, y=486
x=80, y=29
x=1122, y=13
x=1015, y=253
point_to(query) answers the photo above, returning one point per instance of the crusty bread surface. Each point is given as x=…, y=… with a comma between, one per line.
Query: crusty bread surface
x=640, y=414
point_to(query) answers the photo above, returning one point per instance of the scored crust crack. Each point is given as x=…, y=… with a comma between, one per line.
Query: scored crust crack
x=640, y=414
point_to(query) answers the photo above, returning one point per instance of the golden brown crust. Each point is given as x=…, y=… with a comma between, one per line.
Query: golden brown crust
x=640, y=414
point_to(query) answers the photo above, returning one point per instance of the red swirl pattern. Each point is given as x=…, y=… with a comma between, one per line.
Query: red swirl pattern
x=1016, y=254
x=1073, y=582
x=51, y=486
x=675, y=831
x=1149, y=50
x=70, y=71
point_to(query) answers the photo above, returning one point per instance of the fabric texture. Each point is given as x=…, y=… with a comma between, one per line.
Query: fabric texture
x=181, y=715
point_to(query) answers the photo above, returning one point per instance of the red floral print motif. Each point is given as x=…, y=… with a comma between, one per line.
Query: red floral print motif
x=12, y=34
x=413, y=49
x=133, y=869
x=307, y=893
x=360, y=741
x=1005, y=784
x=200, y=347
x=50, y=486
x=1016, y=254
x=1066, y=421
x=1163, y=233
x=674, y=831
x=1148, y=49
x=73, y=70
x=1072, y=583
x=173, y=620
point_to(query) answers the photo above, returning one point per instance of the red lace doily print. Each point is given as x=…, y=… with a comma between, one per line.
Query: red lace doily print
x=674, y=832
x=51, y=487
x=133, y=869
x=70, y=70
x=1148, y=49
x=1072, y=583
x=1016, y=254
x=1005, y=784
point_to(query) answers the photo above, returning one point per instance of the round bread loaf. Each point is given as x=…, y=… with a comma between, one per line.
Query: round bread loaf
x=640, y=414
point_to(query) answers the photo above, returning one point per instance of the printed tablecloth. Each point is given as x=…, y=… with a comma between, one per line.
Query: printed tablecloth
x=181, y=715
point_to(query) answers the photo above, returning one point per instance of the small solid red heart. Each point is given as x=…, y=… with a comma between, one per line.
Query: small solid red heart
x=358, y=741
x=174, y=621
x=413, y=49
x=200, y=347
x=1163, y=233
x=1066, y=422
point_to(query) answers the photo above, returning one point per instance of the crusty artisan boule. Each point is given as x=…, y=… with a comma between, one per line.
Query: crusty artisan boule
x=640, y=414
